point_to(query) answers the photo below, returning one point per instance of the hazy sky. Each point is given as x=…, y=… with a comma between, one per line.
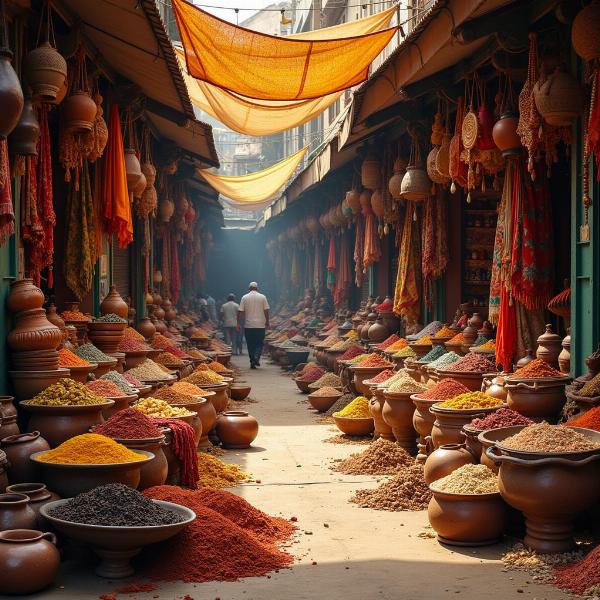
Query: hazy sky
x=227, y=13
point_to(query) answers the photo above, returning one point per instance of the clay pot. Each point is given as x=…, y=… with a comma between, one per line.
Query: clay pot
x=23, y=296
x=3, y=471
x=29, y=383
x=351, y=426
x=113, y=303
x=445, y=459
x=155, y=471
x=398, y=412
x=467, y=519
x=525, y=360
x=422, y=422
x=146, y=328
x=135, y=358
x=493, y=385
x=220, y=399
x=33, y=331
x=54, y=318
x=550, y=489
x=45, y=71
x=378, y=331
x=18, y=449
x=549, y=346
x=505, y=134
x=208, y=417
x=29, y=561
x=540, y=400
x=25, y=136
x=448, y=424
x=391, y=321
x=376, y=403
x=79, y=111
x=38, y=495
x=11, y=95
x=362, y=374
x=15, y=512
x=559, y=99
x=564, y=358
x=236, y=429
x=302, y=385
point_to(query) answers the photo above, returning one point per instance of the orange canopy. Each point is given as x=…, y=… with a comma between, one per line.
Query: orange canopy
x=268, y=67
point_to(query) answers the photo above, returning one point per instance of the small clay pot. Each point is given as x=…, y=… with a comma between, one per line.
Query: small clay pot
x=208, y=416
x=493, y=385
x=38, y=495
x=23, y=296
x=445, y=459
x=146, y=328
x=155, y=471
x=239, y=392
x=29, y=561
x=398, y=412
x=236, y=429
x=376, y=403
x=15, y=512
x=18, y=449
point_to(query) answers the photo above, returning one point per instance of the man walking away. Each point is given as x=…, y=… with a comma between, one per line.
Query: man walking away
x=254, y=310
x=229, y=314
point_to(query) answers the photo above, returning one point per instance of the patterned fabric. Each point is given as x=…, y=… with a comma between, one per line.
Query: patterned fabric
x=344, y=278
x=7, y=215
x=358, y=252
x=406, y=294
x=434, y=254
x=331, y=264
x=372, y=249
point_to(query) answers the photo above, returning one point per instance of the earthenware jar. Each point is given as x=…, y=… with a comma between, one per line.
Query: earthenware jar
x=376, y=403
x=208, y=416
x=54, y=318
x=33, y=331
x=155, y=471
x=15, y=512
x=38, y=495
x=133, y=169
x=398, y=412
x=18, y=449
x=422, y=422
x=24, y=295
x=378, y=331
x=236, y=429
x=549, y=346
x=538, y=399
x=505, y=134
x=24, y=137
x=113, y=303
x=525, y=360
x=445, y=459
x=11, y=94
x=564, y=358
x=79, y=111
x=493, y=385
x=29, y=561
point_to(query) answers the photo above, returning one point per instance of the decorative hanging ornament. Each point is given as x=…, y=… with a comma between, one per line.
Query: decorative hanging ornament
x=395, y=182
x=559, y=99
x=78, y=109
x=370, y=171
x=584, y=32
x=365, y=202
x=353, y=200
x=416, y=186
x=377, y=204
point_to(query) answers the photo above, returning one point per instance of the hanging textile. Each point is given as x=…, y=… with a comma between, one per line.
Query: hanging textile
x=593, y=128
x=317, y=267
x=506, y=336
x=7, y=215
x=175, y=274
x=32, y=232
x=331, y=264
x=406, y=294
x=258, y=186
x=295, y=270
x=359, y=247
x=372, y=246
x=344, y=276
x=268, y=67
x=116, y=208
x=434, y=255
x=80, y=234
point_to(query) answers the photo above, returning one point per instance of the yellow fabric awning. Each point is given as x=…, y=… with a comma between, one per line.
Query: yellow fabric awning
x=254, y=187
x=247, y=206
x=267, y=67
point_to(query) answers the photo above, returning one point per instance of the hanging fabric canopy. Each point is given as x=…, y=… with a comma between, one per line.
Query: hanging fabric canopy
x=255, y=187
x=268, y=67
x=247, y=206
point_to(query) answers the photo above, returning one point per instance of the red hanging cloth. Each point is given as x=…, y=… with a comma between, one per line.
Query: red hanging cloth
x=344, y=279
x=359, y=246
x=506, y=336
x=372, y=249
x=331, y=264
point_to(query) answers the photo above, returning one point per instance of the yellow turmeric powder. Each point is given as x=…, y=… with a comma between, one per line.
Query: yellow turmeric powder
x=357, y=409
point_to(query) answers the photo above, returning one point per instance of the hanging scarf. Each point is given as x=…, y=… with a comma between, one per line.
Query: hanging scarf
x=32, y=232
x=175, y=278
x=80, y=239
x=331, y=264
x=506, y=335
x=344, y=280
x=317, y=266
x=434, y=254
x=184, y=449
x=372, y=248
x=359, y=241
x=7, y=215
x=593, y=133
x=115, y=196
x=406, y=294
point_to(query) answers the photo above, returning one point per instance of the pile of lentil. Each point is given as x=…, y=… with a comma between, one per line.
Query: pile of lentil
x=197, y=354
x=445, y=389
x=503, y=417
x=65, y=392
x=589, y=419
x=407, y=490
x=229, y=540
x=430, y=329
x=445, y=359
x=397, y=376
x=536, y=369
x=110, y=318
x=375, y=360
x=174, y=398
x=326, y=391
x=128, y=424
x=542, y=437
x=435, y=353
x=382, y=457
x=590, y=388
x=329, y=379
x=92, y=354
x=105, y=388
x=153, y=407
x=468, y=479
x=470, y=400
x=582, y=577
x=472, y=363
x=217, y=367
x=166, y=358
x=357, y=409
x=405, y=385
x=215, y=473
x=114, y=505
x=340, y=404
x=148, y=370
x=90, y=449
x=203, y=378
x=358, y=358
x=405, y=352
x=342, y=345
x=160, y=342
x=66, y=358
x=120, y=381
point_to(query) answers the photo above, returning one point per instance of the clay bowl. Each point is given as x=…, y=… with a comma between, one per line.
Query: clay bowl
x=420, y=349
x=135, y=358
x=473, y=381
x=302, y=385
x=29, y=383
x=35, y=364
x=467, y=519
x=550, y=489
x=297, y=356
x=117, y=545
x=538, y=399
x=69, y=480
x=59, y=423
x=364, y=426
x=80, y=373
x=458, y=348
x=398, y=410
x=323, y=403
x=104, y=367
x=155, y=471
x=120, y=403
x=239, y=392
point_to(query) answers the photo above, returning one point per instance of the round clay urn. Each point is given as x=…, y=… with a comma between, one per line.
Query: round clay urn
x=24, y=295
x=15, y=512
x=376, y=402
x=18, y=449
x=33, y=331
x=38, y=494
x=422, y=422
x=549, y=346
x=505, y=134
x=378, y=331
x=236, y=429
x=146, y=328
x=398, y=412
x=79, y=111
x=25, y=136
x=208, y=415
x=493, y=385
x=114, y=304
x=56, y=320
x=445, y=459
x=11, y=94
x=29, y=561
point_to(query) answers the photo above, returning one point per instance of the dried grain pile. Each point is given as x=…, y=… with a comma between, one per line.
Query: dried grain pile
x=380, y=458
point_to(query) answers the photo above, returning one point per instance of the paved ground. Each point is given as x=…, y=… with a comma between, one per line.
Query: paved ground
x=360, y=553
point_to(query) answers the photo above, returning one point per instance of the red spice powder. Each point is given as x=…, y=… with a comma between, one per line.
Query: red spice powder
x=136, y=588
x=226, y=544
x=311, y=374
x=160, y=342
x=105, y=388
x=472, y=363
x=580, y=576
x=504, y=417
x=131, y=345
x=388, y=342
x=535, y=369
x=589, y=419
x=383, y=376
x=374, y=360
x=128, y=424
x=351, y=352
x=445, y=389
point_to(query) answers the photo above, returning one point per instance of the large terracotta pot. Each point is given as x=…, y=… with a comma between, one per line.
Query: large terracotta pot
x=38, y=494
x=25, y=136
x=29, y=561
x=540, y=400
x=45, y=71
x=361, y=374
x=79, y=111
x=208, y=416
x=113, y=303
x=15, y=512
x=378, y=331
x=398, y=412
x=18, y=449
x=549, y=489
x=467, y=519
x=24, y=295
x=54, y=318
x=236, y=429
x=8, y=417
x=29, y=383
x=422, y=422
x=445, y=459
x=33, y=331
x=448, y=424
x=155, y=471
x=11, y=95
x=376, y=403
x=146, y=328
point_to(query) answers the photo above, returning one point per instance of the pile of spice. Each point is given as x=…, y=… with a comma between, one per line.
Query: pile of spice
x=74, y=315
x=166, y=358
x=311, y=373
x=489, y=345
x=90, y=449
x=160, y=342
x=428, y=330
x=407, y=490
x=472, y=363
x=197, y=354
x=119, y=380
x=590, y=388
x=134, y=381
x=174, y=398
x=128, y=424
x=383, y=376
x=326, y=391
x=445, y=359
x=199, y=335
x=93, y=354
x=445, y=332
x=105, y=388
x=148, y=370
x=153, y=407
x=342, y=345
x=397, y=376
x=375, y=360
x=340, y=404
x=406, y=385
x=470, y=400
x=542, y=437
x=445, y=389
x=583, y=577
x=329, y=379
x=184, y=387
x=357, y=409
x=358, y=358
x=229, y=540
x=433, y=354
x=110, y=318
x=589, y=419
x=536, y=369
x=503, y=417
x=397, y=345
x=382, y=457
x=405, y=352
x=130, y=345
x=388, y=342
x=215, y=473
x=468, y=479
x=114, y=505
x=423, y=341
x=217, y=367
x=204, y=378
x=66, y=358
x=130, y=333
x=65, y=392
x=459, y=338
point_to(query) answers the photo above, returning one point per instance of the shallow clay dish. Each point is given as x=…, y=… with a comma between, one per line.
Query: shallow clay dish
x=363, y=426
x=323, y=403
x=302, y=386
x=239, y=392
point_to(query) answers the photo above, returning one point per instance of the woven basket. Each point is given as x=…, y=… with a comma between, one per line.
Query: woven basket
x=559, y=99
x=442, y=158
x=416, y=186
x=584, y=32
x=470, y=130
x=432, y=171
x=370, y=171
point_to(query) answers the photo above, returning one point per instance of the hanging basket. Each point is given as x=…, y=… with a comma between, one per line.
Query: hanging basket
x=370, y=171
x=584, y=32
x=395, y=182
x=432, y=170
x=442, y=158
x=133, y=170
x=45, y=71
x=416, y=186
x=559, y=99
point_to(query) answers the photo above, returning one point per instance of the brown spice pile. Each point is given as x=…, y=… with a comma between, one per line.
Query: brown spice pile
x=380, y=458
x=406, y=491
x=342, y=438
x=543, y=437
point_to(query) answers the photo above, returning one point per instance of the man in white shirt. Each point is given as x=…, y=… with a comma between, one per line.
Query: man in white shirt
x=229, y=315
x=254, y=311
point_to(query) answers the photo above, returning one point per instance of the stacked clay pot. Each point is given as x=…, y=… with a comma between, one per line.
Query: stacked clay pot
x=108, y=336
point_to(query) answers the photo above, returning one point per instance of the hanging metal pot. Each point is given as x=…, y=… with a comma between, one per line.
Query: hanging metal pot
x=11, y=94
x=25, y=136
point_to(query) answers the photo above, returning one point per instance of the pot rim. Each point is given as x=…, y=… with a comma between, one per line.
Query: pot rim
x=465, y=411
x=77, y=408
x=12, y=439
x=13, y=498
x=36, y=535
